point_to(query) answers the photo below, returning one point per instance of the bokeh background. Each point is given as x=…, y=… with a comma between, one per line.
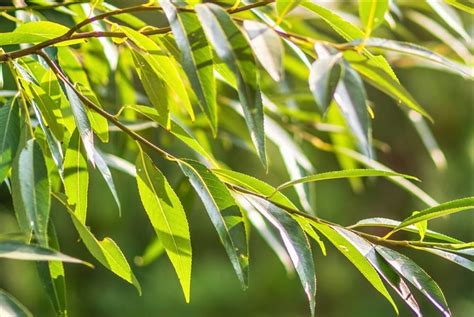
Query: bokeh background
x=342, y=291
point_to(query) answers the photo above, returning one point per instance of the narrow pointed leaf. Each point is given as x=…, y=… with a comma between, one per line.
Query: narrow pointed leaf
x=10, y=306
x=105, y=251
x=9, y=136
x=76, y=177
x=32, y=180
x=196, y=56
x=416, y=276
x=459, y=260
x=438, y=211
x=462, y=5
x=356, y=258
x=33, y=32
x=107, y=175
x=451, y=18
x=225, y=214
x=167, y=217
x=295, y=242
x=267, y=47
x=283, y=7
x=350, y=97
x=232, y=47
x=323, y=79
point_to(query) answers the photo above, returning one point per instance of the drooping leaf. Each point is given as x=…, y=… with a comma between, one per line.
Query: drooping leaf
x=105, y=251
x=107, y=175
x=30, y=176
x=9, y=136
x=459, y=260
x=33, y=32
x=76, y=177
x=351, y=98
x=323, y=79
x=82, y=122
x=233, y=49
x=464, y=5
x=367, y=249
x=356, y=258
x=295, y=242
x=267, y=47
x=12, y=307
x=438, y=211
x=167, y=217
x=196, y=56
x=416, y=276
x=372, y=13
x=418, y=51
x=389, y=223
x=451, y=18
x=225, y=214
x=18, y=250
x=344, y=174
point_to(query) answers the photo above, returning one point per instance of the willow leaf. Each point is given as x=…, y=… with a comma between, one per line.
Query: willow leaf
x=12, y=307
x=372, y=13
x=283, y=7
x=9, y=136
x=167, y=217
x=225, y=214
x=196, y=56
x=234, y=50
x=33, y=32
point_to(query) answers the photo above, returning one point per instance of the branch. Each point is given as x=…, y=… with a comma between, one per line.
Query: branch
x=39, y=7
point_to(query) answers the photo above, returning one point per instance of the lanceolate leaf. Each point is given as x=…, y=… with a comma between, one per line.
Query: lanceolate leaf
x=372, y=13
x=33, y=32
x=459, y=260
x=350, y=97
x=31, y=178
x=367, y=249
x=12, y=307
x=232, y=47
x=76, y=177
x=356, y=258
x=462, y=5
x=17, y=250
x=105, y=251
x=438, y=211
x=9, y=136
x=284, y=7
x=107, y=175
x=451, y=17
x=267, y=46
x=419, y=51
x=343, y=174
x=167, y=217
x=225, y=214
x=196, y=56
x=295, y=242
x=82, y=122
x=323, y=79
x=416, y=276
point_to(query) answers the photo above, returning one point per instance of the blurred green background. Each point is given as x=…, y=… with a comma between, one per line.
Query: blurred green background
x=215, y=292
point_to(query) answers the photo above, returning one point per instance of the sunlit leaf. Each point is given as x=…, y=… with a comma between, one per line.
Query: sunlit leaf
x=33, y=32
x=283, y=7
x=372, y=13
x=167, y=217
x=9, y=136
x=12, y=307
x=450, y=16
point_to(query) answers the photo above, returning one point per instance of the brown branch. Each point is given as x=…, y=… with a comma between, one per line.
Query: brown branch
x=39, y=7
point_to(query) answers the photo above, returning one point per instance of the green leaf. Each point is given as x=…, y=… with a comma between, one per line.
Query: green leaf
x=438, y=211
x=99, y=124
x=155, y=63
x=450, y=17
x=18, y=250
x=416, y=276
x=12, y=307
x=356, y=258
x=233, y=49
x=153, y=251
x=267, y=47
x=225, y=215
x=30, y=176
x=9, y=136
x=464, y=5
x=295, y=242
x=459, y=260
x=389, y=223
x=76, y=177
x=82, y=122
x=283, y=7
x=418, y=51
x=367, y=249
x=33, y=32
x=196, y=56
x=167, y=217
x=344, y=174
x=105, y=251
x=350, y=96
x=323, y=79
x=372, y=13
x=107, y=175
